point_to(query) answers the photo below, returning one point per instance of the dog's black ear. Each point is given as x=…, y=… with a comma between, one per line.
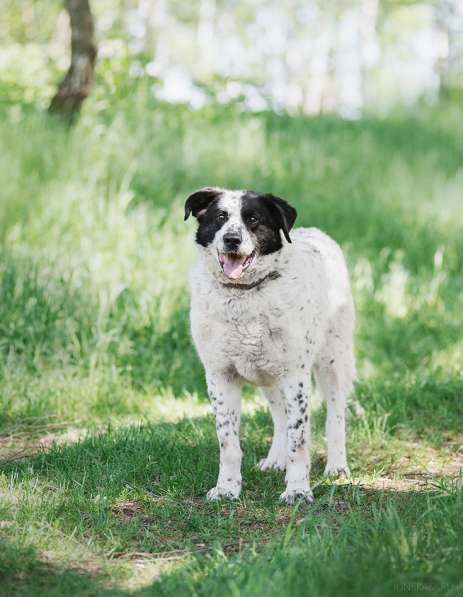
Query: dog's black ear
x=199, y=201
x=284, y=214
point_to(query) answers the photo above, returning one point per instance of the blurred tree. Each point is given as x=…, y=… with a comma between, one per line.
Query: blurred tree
x=76, y=85
x=450, y=63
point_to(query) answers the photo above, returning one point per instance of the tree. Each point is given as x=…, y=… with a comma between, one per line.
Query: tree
x=449, y=66
x=77, y=83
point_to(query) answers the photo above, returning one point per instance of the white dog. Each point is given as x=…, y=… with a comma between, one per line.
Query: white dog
x=269, y=311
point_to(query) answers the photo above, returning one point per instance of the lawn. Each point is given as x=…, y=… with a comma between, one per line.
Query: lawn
x=107, y=445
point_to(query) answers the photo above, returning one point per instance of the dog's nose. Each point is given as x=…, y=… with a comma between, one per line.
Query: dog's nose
x=231, y=240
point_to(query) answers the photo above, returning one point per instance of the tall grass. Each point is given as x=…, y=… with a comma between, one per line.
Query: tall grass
x=95, y=253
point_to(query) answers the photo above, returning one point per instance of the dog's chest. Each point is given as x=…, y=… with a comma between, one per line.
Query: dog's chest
x=250, y=335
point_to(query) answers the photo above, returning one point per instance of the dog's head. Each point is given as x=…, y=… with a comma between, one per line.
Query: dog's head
x=240, y=231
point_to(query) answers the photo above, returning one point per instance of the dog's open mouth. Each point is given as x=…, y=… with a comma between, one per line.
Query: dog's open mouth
x=233, y=265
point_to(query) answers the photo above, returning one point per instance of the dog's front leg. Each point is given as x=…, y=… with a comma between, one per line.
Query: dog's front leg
x=225, y=397
x=296, y=392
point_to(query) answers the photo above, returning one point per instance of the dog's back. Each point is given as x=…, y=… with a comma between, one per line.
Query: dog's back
x=338, y=290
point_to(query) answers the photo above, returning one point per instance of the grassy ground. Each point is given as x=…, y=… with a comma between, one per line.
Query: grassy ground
x=107, y=446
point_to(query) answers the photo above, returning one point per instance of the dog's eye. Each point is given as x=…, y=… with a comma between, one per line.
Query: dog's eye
x=221, y=217
x=253, y=220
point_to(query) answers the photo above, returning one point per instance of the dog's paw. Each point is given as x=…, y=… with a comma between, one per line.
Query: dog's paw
x=291, y=496
x=337, y=471
x=217, y=493
x=270, y=463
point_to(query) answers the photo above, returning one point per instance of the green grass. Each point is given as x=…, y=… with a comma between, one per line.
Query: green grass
x=107, y=447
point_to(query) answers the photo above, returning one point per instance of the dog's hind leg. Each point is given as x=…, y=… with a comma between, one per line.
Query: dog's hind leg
x=335, y=375
x=276, y=457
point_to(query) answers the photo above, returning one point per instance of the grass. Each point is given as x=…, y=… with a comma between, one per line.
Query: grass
x=107, y=446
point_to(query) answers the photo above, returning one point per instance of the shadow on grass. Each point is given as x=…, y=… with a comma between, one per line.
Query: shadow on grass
x=338, y=509
x=144, y=487
x=23, y=571
x=141, y=490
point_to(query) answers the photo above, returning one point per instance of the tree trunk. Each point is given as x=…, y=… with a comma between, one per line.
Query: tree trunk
x=76, y=85
x=450, y=62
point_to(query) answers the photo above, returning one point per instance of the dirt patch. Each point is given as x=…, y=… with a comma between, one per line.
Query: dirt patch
x=127, y=511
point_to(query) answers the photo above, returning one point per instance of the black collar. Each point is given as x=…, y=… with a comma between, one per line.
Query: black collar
x=274, y=275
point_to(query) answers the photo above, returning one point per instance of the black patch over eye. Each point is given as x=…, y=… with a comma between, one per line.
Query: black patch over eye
x=210, y=222
x=266, y=216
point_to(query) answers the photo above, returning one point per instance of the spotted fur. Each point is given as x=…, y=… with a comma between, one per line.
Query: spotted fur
x=272, y=334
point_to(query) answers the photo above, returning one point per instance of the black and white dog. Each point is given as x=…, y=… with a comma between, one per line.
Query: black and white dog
x=269, y=307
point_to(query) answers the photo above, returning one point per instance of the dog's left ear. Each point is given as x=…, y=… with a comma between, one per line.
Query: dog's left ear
x=199, y=201
x=284, y=214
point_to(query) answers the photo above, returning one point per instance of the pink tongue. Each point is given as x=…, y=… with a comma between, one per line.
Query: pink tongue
x=233, y=266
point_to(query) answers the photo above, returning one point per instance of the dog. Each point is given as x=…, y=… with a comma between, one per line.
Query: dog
x=270, y=306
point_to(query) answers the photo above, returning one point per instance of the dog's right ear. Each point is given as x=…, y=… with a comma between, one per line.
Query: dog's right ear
x=198, y=202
